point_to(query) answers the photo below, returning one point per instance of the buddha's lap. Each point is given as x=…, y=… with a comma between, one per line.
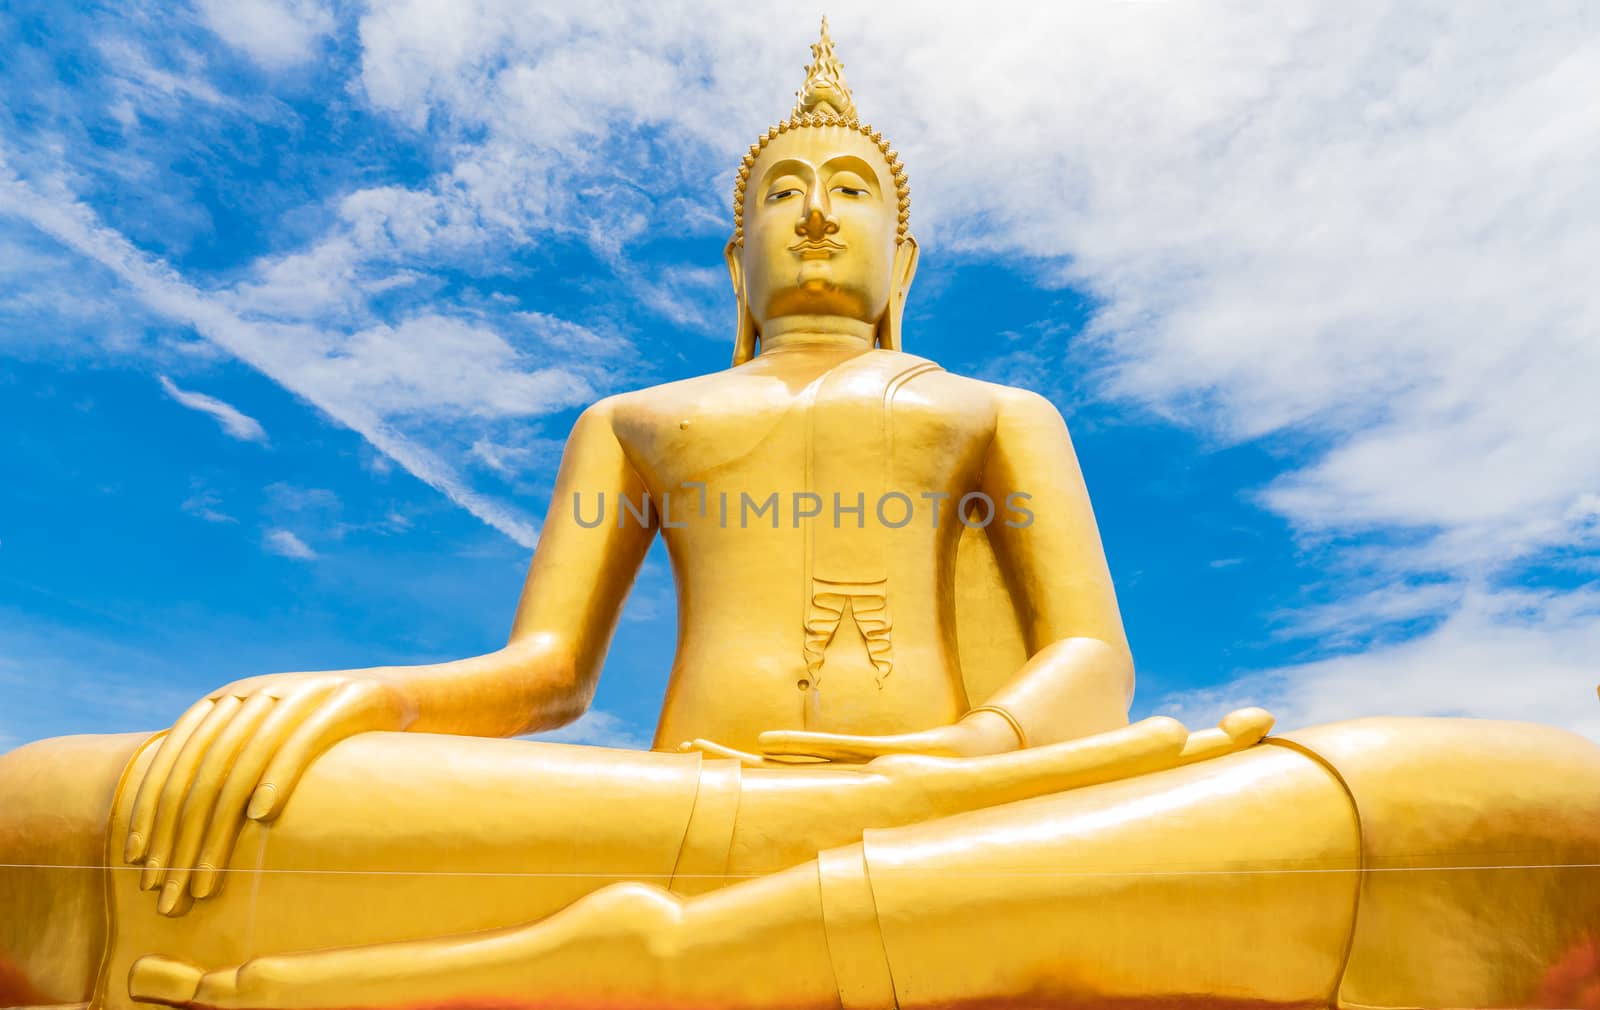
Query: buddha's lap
x=414, y=835
x=429, y=836
x=406, y=802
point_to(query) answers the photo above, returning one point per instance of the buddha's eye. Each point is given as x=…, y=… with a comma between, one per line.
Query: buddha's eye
x=850, y=190
x=782, y=194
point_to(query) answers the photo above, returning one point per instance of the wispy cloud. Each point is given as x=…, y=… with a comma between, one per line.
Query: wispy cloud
x=288, y=545
x=274, y=33
x=1357, y=615
x=109, y=685
x=203, y=504
x=597, y=729
x=140, y=88
x=234, y=422
x=296, y=355
x=1512, y=654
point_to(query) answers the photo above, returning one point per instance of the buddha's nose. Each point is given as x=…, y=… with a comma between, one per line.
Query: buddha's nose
x=817, y=220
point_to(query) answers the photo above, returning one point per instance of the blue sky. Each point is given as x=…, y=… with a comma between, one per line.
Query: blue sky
x=298, y=300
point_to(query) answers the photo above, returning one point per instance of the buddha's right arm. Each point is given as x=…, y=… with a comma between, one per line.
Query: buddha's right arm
x=240, y=751
x=581, y=573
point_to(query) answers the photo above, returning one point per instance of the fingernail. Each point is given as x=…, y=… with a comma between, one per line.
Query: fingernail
x=134, y=849
x=261, y=802
x=205, y=881
x=169, y=897
x=150, y=879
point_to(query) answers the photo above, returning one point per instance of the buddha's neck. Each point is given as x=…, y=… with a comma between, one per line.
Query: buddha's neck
x=786, y=332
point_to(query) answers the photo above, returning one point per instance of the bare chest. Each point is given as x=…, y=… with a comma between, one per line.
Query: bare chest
x=760, y=438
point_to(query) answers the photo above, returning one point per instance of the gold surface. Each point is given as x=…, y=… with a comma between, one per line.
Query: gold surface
x=893, y=767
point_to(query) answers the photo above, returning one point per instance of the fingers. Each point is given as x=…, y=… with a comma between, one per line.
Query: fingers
x=1237, y=731
x=708, y=747
x=176, y=788
x=356, y=707
x=235, y=756
x=143, y=819
x=842, y=746
x=263, y=981
x=157, y=979
x=228, y=816
x=199, y=809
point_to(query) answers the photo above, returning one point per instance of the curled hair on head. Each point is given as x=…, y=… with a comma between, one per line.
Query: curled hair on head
x=822, y=101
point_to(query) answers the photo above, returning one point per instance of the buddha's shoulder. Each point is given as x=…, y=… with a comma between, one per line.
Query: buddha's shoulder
x=653, y=402
x=742, y=389
x=989, y=406
x=936, y=383
x=1000, y=397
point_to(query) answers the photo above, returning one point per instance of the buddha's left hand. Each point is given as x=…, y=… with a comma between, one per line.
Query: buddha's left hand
x=979, y=733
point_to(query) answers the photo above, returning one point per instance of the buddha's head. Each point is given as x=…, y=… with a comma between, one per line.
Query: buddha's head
x=820, y=220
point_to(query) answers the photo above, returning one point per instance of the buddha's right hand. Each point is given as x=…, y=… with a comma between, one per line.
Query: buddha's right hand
x=236, y=754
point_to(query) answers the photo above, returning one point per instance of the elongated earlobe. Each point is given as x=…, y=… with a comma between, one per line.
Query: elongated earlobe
x=744, y=334
x=905, y=269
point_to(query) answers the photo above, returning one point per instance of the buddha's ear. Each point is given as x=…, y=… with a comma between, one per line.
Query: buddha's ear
x=744, y=336
x=904, y=269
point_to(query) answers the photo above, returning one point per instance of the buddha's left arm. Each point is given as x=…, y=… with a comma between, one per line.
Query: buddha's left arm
x=1079, y=677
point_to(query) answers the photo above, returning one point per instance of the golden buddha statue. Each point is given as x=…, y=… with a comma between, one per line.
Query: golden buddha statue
x=894, y=766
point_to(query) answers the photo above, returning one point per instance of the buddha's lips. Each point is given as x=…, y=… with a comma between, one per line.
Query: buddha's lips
x=816, y=248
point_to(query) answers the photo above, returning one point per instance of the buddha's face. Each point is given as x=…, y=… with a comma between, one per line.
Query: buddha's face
x=820, y=216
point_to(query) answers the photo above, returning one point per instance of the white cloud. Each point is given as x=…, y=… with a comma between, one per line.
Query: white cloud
x=274, y=33
x=203, y=503
x=142, y=89
x=1502, y=655
x=597, y=729
x=1358, y=614
x=295, y=355
x=440, y=366
x=1367, y=227
x=286, y=544
x=236, y=424
x=285, y=498
x=505, y=460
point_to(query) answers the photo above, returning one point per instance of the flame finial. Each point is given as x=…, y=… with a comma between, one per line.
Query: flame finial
x=824, y=90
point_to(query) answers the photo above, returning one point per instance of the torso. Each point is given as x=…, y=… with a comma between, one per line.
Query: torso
x=788, y=423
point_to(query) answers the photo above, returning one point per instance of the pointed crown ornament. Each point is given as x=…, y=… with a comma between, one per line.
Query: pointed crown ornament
x=823, y=100
x=824, y=90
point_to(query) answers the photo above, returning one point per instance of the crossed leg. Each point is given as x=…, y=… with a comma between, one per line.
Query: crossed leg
x=1190, y=882
x=1246, y=881
x=792, y=937
x=785, y=817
